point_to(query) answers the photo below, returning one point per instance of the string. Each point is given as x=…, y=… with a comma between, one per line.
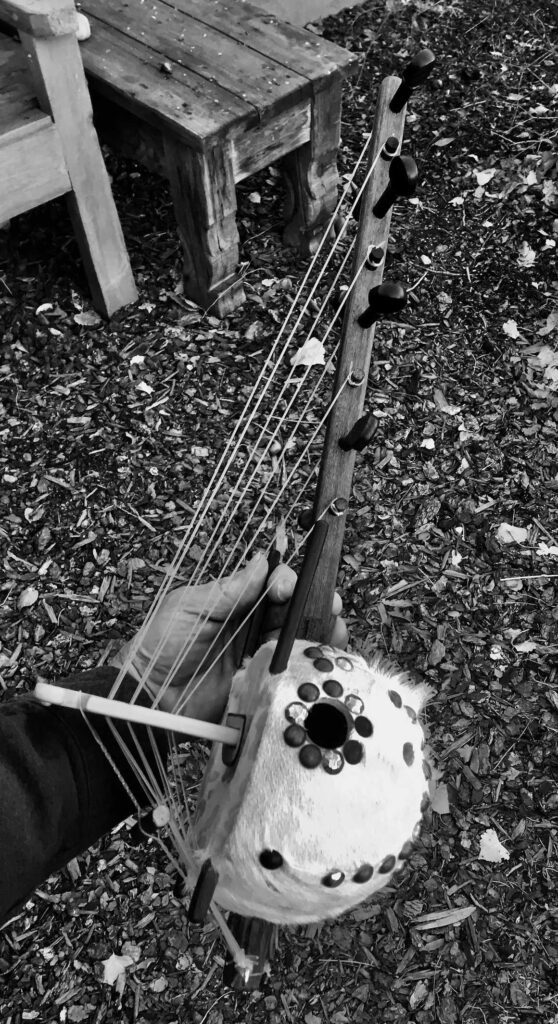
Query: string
x=163, y=590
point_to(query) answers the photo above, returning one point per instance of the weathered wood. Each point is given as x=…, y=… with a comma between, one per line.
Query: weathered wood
x=336, y=470
x=22, y=150
x=189, y=76
x=311, y=172
x=40, y=18
x=58, y=78
x=304, y=52
x=128, y=73
x=205, y=51
x=264, y=144
x=203, y=191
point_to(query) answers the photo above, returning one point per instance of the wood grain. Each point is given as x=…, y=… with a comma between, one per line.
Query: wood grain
x=336, y=470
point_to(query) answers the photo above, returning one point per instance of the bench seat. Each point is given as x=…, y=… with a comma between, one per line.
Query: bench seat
x=207, y=92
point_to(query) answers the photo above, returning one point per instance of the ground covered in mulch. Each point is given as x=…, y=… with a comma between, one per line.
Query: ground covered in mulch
x=451, y=560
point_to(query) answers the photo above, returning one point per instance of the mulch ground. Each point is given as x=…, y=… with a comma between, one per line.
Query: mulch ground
x=451, y=560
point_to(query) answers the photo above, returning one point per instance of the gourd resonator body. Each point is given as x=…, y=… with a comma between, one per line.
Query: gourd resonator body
x=327, y=791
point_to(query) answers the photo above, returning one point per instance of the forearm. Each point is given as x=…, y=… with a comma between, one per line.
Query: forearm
x=58, y=790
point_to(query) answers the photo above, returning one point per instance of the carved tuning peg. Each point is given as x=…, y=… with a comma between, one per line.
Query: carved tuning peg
x=386, y=298
x=360, y=434
x=403, y=177
x=414, y=74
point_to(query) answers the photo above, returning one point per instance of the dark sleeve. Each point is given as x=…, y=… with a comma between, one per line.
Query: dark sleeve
x=58, y=790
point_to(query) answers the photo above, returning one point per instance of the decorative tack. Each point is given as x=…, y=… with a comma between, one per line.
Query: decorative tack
x=308, y=692
x=344, y=663
x=364, y=873
x=313, y=652
x=294, y=736
x=333, y=879
x=323, y=664
x=353, y=751
x=333, y=688
x=406, y=850
x=355, y=379
x=387, y=865
x=395, y=698
x=411, y=713
x=333, y=762
x=271, y=859
x=425, y=802
x=363, y=726
x=354, y=704
x=310, y=756
x=408, y=754
x=427, y=770
x=296, y=712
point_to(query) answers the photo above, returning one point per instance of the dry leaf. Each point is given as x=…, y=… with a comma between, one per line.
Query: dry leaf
x=508, y=534
x=114, y=967
x=442, y=405
x=87, y=319
x=311, y=353
x=27, y=598
x=491, y=848
x=510, y=328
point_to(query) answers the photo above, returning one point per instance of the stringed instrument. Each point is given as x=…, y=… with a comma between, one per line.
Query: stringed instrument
x=315, y=784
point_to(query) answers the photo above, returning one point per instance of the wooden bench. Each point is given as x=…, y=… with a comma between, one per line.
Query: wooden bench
x=207, y=92
x=48, y=146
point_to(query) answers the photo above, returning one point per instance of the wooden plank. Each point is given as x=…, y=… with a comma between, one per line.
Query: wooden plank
x=303, y=52
x=16, y=90
x=40, y=18
x=62, y=90
x=128, y=73
x=205, y=51
x=22, y=151
x=336, y=470
x=263, y=145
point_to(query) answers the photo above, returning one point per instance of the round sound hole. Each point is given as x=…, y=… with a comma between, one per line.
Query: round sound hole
x=327, y=725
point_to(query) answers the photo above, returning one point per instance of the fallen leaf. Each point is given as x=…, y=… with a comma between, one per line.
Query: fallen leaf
x=491, y=848
x=483, y=177
x=510, y=328
x=311, y=353
x=441, y=143
x=437, y=653
x=87, y=319
x=508, y=534
x=114, y=967
x=527, y=256
x=444, y=406
x=27, y=598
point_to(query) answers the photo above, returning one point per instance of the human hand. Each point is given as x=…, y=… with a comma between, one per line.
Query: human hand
x=202, y=643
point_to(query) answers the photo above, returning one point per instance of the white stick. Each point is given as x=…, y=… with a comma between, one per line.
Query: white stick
x=92, y=704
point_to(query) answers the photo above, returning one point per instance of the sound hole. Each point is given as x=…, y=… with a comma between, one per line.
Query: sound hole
x=327, y=725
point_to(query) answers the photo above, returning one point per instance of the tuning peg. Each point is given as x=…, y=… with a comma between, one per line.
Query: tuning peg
x=386, y=298
x=360, y=434
x=414, y=74
x=403, y=177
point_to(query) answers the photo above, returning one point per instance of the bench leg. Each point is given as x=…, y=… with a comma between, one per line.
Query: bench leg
x=60, y=83
x=204, y=196
x=311, y=173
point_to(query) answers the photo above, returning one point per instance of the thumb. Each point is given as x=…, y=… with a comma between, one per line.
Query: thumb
x=237, y=593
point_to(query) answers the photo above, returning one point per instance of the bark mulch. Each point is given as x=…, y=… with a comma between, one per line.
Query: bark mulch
x=451, y=561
